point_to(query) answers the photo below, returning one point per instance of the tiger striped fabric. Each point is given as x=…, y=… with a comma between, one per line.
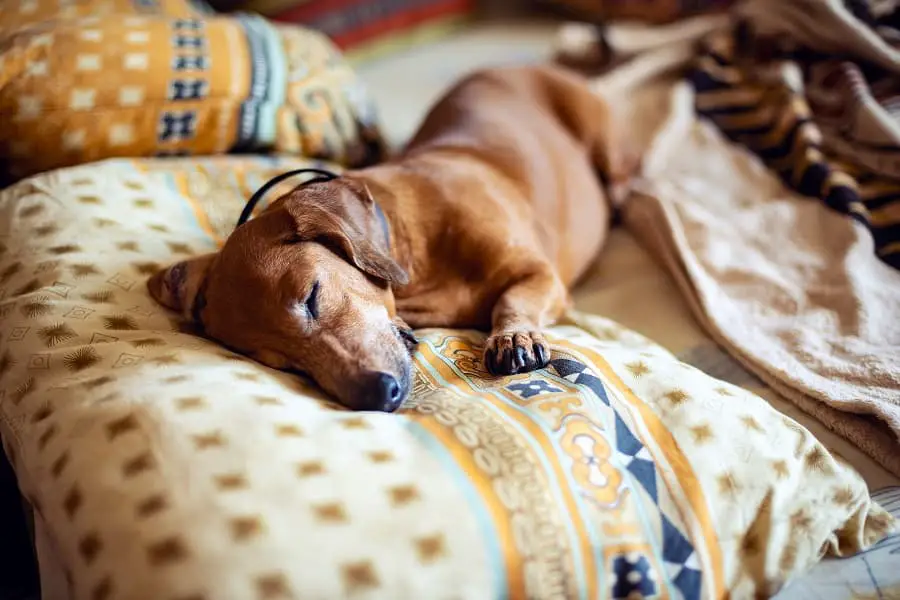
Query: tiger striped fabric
x=828, y=126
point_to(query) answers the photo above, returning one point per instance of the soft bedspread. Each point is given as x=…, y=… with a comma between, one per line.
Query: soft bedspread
x=163, y=466
x=801, y=291
x=817, y=104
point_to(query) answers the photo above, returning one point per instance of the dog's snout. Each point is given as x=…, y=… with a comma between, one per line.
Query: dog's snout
x=383, y=393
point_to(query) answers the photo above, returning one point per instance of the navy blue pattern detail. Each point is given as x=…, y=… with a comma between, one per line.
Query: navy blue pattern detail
x=190, y=63
x=626, y=442
x=175, y=126
x=188, y=89
x=566, y=367
x=529, y=389
x=633, y=578
x=633, y=572
x=183, y=42
x=187, y=25
x=689, y=581
x=645, y=472
x=595, y=386
x=676, y=548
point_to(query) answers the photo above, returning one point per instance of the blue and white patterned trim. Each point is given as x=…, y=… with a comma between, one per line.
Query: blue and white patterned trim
x=268, y=84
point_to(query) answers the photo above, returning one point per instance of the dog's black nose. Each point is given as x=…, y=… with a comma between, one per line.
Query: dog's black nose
x=385, y=393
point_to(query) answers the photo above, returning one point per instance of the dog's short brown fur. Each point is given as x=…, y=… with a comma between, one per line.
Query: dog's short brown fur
x=495, y=209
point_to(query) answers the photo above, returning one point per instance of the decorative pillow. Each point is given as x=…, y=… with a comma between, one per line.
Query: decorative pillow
x=17, y=14
x=362, y=26
x=79, y=89
x=163, y=466
x=651, y=11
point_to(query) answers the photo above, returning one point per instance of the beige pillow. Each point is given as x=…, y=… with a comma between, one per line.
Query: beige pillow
x=163, y=466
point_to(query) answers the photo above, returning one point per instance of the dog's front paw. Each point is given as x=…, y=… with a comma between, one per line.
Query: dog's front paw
x=515, y=352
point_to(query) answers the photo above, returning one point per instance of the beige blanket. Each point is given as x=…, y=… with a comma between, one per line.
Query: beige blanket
x=789, y=287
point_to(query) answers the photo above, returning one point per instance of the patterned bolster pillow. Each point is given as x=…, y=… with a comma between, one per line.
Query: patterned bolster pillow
x=650, y=11
x=85, y=88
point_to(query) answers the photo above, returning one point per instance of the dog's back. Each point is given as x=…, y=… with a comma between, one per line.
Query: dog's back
x=505, y=180
x=508, y=161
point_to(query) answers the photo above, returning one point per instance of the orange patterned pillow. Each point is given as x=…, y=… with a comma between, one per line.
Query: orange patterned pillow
x=171, y=81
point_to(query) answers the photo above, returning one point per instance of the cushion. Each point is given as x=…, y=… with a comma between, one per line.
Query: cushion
x=77, y=88
x=18, y=15
x=162, y=465
x=365, y=28
x=650, y=11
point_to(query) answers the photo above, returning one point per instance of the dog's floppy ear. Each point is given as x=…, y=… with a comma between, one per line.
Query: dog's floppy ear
x=176, y=286
x=343, y=213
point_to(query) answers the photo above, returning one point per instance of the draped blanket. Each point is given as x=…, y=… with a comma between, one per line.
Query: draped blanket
x=770, y=190
x=812, y=88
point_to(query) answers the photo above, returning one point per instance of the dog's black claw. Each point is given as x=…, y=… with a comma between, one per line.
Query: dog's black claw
x=530, y=363
x=540, y=356
x=522, y=359
x=490, y=356
x=515, y=353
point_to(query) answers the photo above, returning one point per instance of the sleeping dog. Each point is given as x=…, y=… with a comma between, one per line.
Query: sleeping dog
x=484, y=221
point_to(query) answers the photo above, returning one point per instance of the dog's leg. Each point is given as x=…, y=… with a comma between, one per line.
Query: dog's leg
x=516, y=344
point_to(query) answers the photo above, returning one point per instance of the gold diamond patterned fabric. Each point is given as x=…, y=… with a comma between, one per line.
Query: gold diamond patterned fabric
x=96, y=79
x=166, y=467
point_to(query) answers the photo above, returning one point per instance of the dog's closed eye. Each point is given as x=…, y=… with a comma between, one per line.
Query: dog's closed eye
x=312, y=301
x=409, y=338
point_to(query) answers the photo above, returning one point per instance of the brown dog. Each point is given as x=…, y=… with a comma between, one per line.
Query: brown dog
x=493, y=210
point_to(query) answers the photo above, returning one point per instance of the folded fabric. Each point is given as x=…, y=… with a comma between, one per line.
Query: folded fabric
x=817, y=104
x=162, y=466
x=172, y=81
x=790, y=287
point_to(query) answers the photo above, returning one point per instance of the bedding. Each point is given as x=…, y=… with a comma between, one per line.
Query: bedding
x=628, y=284
x=631, y=288
x=836, y=137
x=161, y=465
x=797, y=288
x=82, y=85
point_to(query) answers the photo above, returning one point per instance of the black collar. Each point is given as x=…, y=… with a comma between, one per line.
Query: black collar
x=323, y=175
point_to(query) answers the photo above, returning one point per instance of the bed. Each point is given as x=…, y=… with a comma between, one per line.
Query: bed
x=156, y=464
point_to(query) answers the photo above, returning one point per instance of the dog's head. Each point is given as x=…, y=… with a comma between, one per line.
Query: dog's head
x=306, y=286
